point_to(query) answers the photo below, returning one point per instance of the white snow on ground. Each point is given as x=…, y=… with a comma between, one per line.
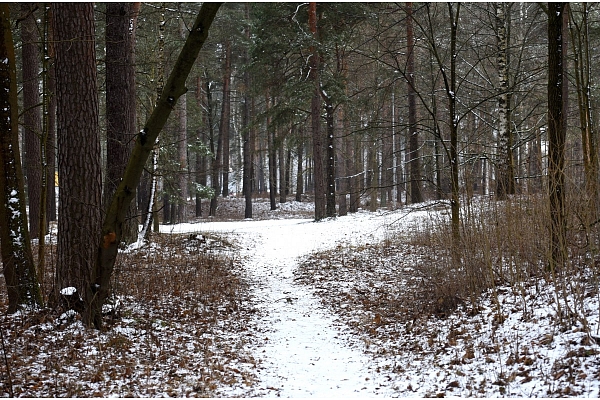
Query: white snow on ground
x=305, y=351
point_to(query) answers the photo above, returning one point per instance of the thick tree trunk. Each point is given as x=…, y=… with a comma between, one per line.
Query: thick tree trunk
x=32, y=126
x=121, y=24
x=79, y=165
x=17, y=259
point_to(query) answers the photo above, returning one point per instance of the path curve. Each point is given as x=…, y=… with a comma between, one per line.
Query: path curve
x=305, y=351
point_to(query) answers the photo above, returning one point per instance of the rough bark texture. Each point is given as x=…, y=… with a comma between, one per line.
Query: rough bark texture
x=121, y=23
x=32, y=125
x=107, y=244
x=556, y=137
x=17, y=259
x=79, y=165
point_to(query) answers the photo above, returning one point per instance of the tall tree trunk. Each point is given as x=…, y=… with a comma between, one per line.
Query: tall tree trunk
x=50, y=129
x=32, y=126
x=299, y=172
x=248, y=133
x=200, y=157
x=505, y=181
x=79, y=165
x=182, y=148
x=414, y=163
x=218, y=155
x=330, y=154
x=108, y=244
x=282, y=167
x=225, y=117
x=121, y=21
x=315, y=111
x=342, y=163
x=271, y=135
x=17, y=258
x=556, y=136
x=182, y=181
x=387, y=162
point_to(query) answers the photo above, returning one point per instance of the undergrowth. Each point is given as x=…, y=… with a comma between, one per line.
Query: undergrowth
x=175, y=326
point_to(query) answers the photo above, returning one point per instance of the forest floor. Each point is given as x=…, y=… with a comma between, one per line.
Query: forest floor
x=280, y=306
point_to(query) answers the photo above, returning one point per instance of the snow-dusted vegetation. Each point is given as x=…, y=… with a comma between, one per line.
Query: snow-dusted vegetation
x=352, y=306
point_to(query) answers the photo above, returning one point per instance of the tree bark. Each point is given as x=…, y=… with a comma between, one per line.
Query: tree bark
x=299, y=172
x=330, y=210
x=556, y=137
x=32, y=126
x=414, y=163
x=271, y=133
x=282, y=166
x=51, y=120
x=17, y=259
x=218, y=155
x=225, y=117
x=315, y=111
x=505, y=181
x=121, y=21
x=79, y=165
x=248, y=133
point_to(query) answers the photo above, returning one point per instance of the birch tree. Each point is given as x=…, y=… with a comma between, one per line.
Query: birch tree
x=505, y=183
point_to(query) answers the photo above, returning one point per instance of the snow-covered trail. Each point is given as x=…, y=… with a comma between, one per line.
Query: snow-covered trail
x=304, y=351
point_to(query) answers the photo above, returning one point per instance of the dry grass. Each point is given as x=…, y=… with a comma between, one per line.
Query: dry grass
x=178, y=327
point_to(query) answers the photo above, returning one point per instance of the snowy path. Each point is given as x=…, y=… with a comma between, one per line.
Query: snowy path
x=305, y=352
